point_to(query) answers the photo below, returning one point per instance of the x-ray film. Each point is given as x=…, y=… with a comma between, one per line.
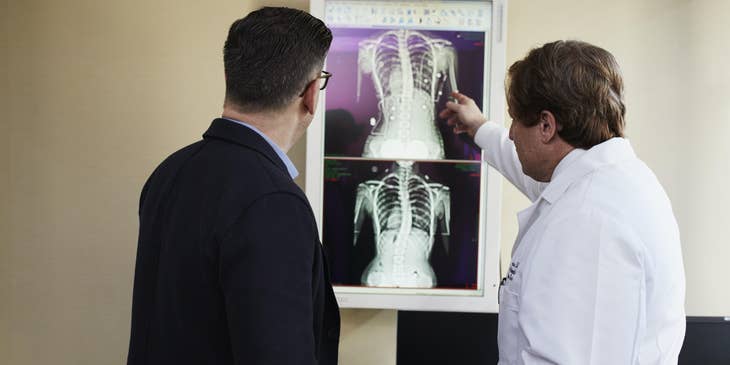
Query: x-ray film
x=391, y=84
x=408, y=210
x=402, y=224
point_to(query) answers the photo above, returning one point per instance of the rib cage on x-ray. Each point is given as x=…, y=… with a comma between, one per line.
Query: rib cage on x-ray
x=405, y=209
x=408, y=70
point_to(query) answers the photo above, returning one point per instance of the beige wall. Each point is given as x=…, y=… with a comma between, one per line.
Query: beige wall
x=100, y=92
x=4, y=186
x=95, y=95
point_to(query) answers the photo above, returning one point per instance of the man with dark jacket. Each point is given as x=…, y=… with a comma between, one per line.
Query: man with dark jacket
x=230, y=269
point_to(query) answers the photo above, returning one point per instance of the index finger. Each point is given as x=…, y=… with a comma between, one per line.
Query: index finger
x=461, y=98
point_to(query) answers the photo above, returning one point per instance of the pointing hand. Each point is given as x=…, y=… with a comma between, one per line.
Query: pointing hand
x=464, y=116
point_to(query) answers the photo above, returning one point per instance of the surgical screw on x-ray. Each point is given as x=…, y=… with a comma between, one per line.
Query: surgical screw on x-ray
x=405, y=208
x=408, y=70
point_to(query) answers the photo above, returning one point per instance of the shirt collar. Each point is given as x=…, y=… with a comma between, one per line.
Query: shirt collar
x=290, y=168
x=567, y=161
x=579, y=163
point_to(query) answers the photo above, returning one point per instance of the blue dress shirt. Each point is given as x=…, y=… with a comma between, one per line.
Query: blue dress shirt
x=287, y=162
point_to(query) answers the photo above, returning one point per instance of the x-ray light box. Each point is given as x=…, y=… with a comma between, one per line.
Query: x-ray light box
x=408, y=211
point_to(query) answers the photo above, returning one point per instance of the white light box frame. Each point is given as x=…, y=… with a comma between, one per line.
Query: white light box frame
x=430, y=17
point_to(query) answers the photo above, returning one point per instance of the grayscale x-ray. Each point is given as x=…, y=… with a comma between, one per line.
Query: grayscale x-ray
x=408, y=69
x=405, y=208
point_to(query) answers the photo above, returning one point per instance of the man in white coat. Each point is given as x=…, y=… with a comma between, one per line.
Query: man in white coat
x=596, y=275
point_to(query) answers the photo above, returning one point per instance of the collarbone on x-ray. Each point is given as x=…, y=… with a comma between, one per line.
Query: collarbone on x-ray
x=405, y=209
x=408, y=70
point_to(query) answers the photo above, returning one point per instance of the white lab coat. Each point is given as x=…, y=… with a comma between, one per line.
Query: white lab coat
x=596, y=275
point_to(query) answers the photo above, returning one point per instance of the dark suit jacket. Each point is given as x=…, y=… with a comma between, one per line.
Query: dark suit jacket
x=230, y=269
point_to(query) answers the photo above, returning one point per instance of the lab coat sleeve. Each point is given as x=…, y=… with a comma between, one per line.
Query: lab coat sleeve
x=500, y=153
x=583, y=296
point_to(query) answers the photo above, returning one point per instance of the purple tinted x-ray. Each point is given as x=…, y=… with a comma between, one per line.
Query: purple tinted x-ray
x=388, y=87
x=402, y=223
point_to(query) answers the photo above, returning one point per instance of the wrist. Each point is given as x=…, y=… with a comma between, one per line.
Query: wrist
x=473, y=131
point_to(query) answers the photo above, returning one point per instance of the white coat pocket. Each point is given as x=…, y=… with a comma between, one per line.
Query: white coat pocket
x=509, y=335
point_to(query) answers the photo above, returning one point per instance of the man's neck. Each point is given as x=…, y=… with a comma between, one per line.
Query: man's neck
x=278, y=126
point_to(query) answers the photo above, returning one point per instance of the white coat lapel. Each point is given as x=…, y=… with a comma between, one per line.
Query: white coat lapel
x=525, y=219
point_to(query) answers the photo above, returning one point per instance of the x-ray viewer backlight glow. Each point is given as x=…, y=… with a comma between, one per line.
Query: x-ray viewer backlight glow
x=408, y=211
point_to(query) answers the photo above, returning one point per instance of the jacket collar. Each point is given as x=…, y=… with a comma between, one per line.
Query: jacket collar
x=234, y=133
x=610, y=152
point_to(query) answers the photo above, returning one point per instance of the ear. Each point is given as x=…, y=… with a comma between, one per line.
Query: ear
x=310, y=97
x=548, y=127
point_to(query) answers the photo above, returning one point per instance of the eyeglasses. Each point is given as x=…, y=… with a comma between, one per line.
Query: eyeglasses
x=325, y=75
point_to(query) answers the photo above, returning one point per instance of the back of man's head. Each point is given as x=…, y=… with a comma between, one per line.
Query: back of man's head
x=579, y=83
x=270, y=56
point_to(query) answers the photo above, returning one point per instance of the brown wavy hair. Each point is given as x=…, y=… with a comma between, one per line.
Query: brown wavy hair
x=579, y=83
